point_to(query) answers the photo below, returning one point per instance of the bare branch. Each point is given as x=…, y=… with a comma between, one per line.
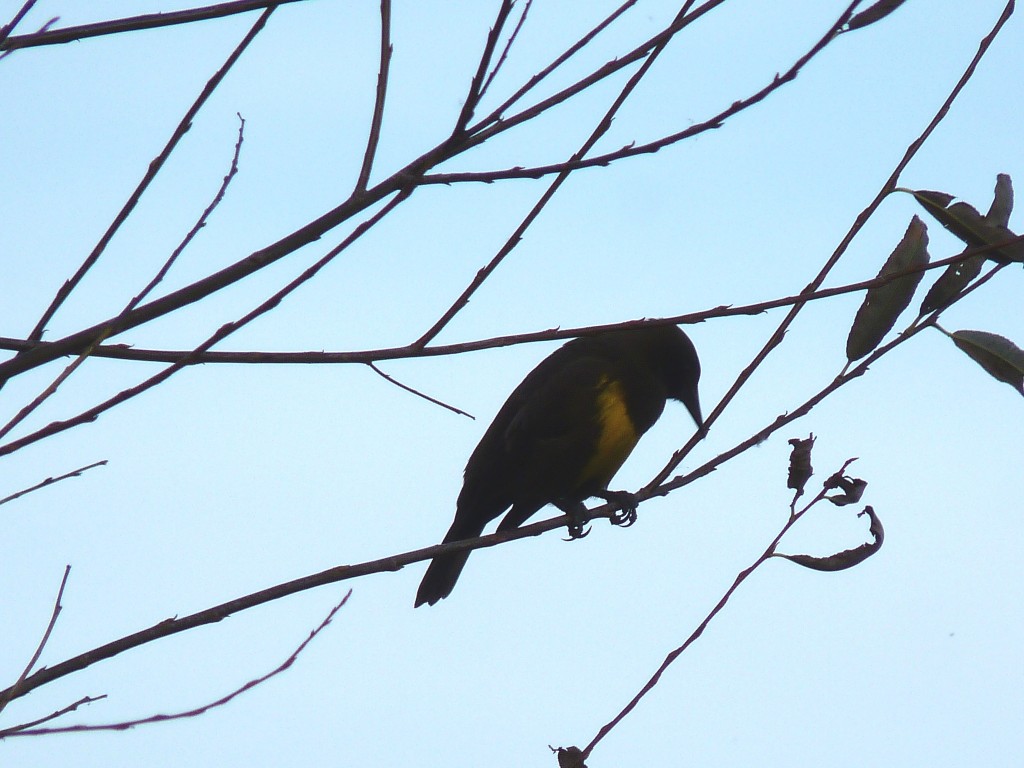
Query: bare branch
x=217, y=613
x=508, y=47
x=200, y=222
x=396, y=562
x=416, y=392
x=16, y=689
x=52, y=716
x=123, y=726
x=382, y=89
x=569, y=53
x=125, y=352
x=405, y=179
x=633, y=150
x=514, y=239
x=154, y=168
x=887, y=187
x=50, y=388
x=224, y=331
x=482, y=131
x=476, y=84
x=6, y=29
x=136, y=23
x=673, y=655
x=401, y=182
x=86, y=353
x=51, y=480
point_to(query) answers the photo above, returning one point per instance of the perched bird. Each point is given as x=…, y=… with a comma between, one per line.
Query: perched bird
x=564, y=432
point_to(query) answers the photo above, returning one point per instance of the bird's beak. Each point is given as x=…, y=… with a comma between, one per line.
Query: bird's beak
x=692, y=403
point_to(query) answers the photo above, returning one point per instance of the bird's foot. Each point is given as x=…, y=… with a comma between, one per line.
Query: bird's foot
x=578, y=522
x=625, y=515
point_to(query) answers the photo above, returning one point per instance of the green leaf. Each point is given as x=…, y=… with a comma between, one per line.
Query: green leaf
x=849, y=557
x=964, y=221
x=931, y=201
x=957, y=276
x=885, y=303
x=1002, y=203
x=873, y=13
x=951, y=283
x=999, y=356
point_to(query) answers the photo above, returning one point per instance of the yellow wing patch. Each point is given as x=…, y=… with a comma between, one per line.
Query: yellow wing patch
x=618, y=436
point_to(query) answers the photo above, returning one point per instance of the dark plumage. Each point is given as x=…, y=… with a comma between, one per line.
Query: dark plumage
x=564, y=432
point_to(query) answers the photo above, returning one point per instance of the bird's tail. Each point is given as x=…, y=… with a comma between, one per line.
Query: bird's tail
x=439, y=580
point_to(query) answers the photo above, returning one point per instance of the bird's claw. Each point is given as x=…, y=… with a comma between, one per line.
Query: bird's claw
x=578, y=531
x=579, y=520
x=625, y=515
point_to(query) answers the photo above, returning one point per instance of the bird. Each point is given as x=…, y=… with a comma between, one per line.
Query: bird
x=564, y=432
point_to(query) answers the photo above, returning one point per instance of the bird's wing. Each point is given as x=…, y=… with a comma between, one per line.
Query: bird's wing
x=557, y=408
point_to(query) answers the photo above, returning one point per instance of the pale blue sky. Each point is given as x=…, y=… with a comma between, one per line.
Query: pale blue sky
x=231, y=479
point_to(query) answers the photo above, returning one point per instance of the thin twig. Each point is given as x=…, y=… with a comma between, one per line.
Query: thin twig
x=125, y=352
x=9, y=731
x=217, y=613
x=45, y=26
x=397, y=562
x=382, y=89
x=46, y=393
x=633, y=149
x=508, y=47
x=887, y=187
x=16, y=689
x=476, y=84
x=416, y=392
x=125, y=725
x=568, y=54
x=224, y=331
x=6, y=29
x=401, y=182
x=200, y=222
x=136, y=23
x=516, y=237
x=51, y=480
x=847, y=375
x=404, y=179
x=483, y=130
x=742, y=576
x=154, y=167
x=134, y=302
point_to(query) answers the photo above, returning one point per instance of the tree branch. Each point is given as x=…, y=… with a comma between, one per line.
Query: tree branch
x=382, y=89
x=125, y=352
x=223, y=332
x=136, y=23
x=508, y=47
x=26, y=730
x=887, y=187
x=6, y=29
x=516, y=237
x=161, y=273
x=407, y=388
x=397, y=562
x=51, y=480
x=476, y=84
x=154, y=168
x=19, y=685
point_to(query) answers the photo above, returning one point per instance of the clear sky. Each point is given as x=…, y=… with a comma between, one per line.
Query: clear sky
x=229, y=479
